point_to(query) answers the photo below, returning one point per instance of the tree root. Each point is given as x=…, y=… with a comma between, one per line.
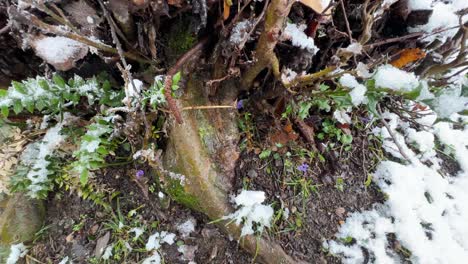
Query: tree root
x=197, y=166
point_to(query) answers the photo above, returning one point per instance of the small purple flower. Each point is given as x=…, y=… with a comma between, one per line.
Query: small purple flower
x=240, y=104
x=303, y=167
x=139, y=174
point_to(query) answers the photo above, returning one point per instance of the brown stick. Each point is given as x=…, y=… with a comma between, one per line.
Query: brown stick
x=276, y=16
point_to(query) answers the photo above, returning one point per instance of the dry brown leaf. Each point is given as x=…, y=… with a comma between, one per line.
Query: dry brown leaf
x=408, y=56
x=226, y=10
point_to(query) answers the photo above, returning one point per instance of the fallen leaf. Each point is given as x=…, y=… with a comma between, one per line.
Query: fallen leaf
x=408, y=56
x=226, y=9
x=101, y=244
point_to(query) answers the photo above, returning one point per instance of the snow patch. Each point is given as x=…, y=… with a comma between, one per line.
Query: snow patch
x=393, y=78
x=251, y=210
x=17, y=251
x=299, y=38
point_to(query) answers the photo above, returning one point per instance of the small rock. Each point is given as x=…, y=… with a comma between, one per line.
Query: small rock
x=340, y=212
x=252, y=174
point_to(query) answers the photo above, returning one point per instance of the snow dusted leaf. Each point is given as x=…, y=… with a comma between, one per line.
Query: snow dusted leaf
x=60, y=52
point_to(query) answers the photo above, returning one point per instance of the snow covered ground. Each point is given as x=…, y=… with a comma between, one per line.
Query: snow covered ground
x=426, y=208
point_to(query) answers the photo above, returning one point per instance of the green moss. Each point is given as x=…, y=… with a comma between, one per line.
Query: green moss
x=180, y=39
x=178, y=193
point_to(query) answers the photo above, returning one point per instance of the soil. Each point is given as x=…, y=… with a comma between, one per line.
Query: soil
x=315, y=219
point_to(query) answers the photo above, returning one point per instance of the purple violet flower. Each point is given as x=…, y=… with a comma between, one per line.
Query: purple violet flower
x=303, y=167
x=139, y=174
x=240, y=104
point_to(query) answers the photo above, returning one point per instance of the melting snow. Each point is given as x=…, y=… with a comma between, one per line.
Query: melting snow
x=426, y=210
x=393, y=78
x=299, y=38
x=251, y=210
x=155, y=240
x=17, y=251
x=358, y=92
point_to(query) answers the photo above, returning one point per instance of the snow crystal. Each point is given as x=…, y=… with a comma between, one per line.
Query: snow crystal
x=354, y=48
x=155, y=240
x=342, y=117
x=57, y=50
x=108, y=252
x=287, y=75
x=65, y=260
x=132, y=91
x=362, y=70
x=240, y=32
x=187, y=227
x=450, y=101
x=251, y=210
x=299, y=38
x=393, y=78
x=358, y=92
x=138, y=232
x=426, y=211
x=17, y=251
x=443, y=16
x=36, y=156
x=90, y=20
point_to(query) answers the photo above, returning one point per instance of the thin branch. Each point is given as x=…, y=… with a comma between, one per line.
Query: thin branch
x=276, y=15
x=348, y=28
x=390, y=131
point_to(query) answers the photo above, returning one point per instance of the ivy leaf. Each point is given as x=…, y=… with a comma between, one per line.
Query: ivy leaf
x=5, y=111
x=17, y=107
x=59, y=81
x=19, y=87
x=84, y=177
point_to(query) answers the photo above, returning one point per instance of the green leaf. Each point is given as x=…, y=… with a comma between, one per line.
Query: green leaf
x=5, y=111
x=84, y=177
x=17, y=107
x=304, y=109
x=346, y=139
x=44, y=84
x=19, y=87
x=323, y=87
x=414, y=93
x=3, y=93
x=40, y=105
x=372, y=101
x=176, y=78
x=59, y=81
x=265, y=154
x=29, y=106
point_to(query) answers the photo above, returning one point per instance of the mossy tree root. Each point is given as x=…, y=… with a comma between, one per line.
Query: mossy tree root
x=198, y=165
